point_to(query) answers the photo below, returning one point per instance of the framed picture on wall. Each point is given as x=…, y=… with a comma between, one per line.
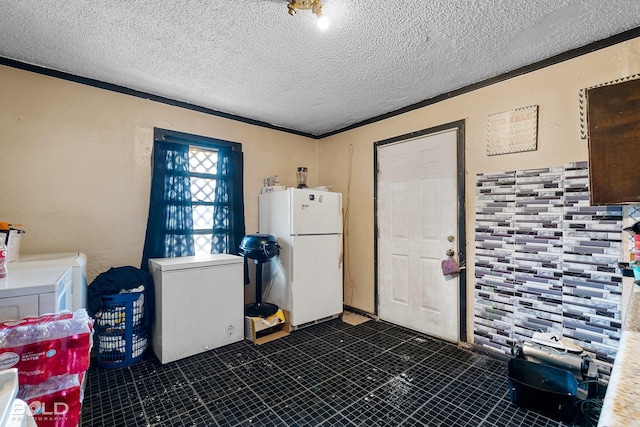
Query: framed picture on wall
x=512, y=131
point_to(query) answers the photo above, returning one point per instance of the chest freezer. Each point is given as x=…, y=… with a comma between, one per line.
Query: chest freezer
x=199, y=304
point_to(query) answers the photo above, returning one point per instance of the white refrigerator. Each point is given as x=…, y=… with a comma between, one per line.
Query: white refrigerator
x=306, y=278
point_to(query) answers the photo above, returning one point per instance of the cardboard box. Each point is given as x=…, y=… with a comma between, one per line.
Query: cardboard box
x=260, y=331
x=11, y=238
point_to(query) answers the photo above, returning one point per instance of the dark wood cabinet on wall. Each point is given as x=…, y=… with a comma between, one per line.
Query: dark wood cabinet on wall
x=613, y=118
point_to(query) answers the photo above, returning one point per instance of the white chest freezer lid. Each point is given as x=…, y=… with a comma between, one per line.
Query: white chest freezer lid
x=197, y=261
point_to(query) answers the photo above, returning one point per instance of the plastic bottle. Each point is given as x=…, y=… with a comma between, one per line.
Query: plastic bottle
x=21, y=335
x=42, y=332
x=79, y=343
x=5, y=333
x=61, y=326
x=3, y=259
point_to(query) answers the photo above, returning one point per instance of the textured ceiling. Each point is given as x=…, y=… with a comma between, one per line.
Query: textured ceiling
x=250, y=58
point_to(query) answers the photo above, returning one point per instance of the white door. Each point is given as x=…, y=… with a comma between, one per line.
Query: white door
x=417, y=223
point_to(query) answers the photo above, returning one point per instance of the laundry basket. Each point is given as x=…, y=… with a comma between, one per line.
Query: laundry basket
x=121, y=330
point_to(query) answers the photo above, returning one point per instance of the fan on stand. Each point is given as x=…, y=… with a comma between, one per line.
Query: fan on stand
x=260, y=248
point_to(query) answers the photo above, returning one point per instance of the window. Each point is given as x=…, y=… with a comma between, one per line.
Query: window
x=196, y=202
x=203, y=166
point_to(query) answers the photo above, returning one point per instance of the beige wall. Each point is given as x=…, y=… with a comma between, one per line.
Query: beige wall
x=554, y=89
x=75, y=161
x=75, y=164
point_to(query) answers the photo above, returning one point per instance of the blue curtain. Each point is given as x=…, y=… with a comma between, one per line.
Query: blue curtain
x=228, y=215
x=170, y=224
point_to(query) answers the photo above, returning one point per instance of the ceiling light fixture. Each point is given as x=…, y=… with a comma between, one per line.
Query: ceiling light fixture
x=314, y=5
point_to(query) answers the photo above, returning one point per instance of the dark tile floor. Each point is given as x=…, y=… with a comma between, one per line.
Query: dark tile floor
x=373, y=374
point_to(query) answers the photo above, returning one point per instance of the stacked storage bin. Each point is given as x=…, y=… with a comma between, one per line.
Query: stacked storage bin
x=121, y=330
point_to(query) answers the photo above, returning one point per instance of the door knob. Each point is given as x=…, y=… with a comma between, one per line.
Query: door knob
x=450, y=252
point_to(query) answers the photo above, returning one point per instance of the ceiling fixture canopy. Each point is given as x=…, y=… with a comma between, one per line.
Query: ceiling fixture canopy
x=314, y=5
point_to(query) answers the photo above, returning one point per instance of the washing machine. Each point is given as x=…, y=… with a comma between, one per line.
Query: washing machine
x=78, y=263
